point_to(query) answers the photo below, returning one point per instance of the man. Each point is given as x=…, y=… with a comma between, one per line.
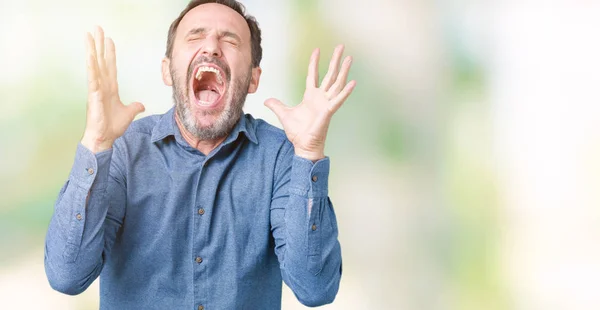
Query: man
x=202, y=207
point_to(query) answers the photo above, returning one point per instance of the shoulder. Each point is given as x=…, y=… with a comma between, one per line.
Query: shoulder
x=272, y=140
x=144, y=125
x=268, y=133
x=138, y=133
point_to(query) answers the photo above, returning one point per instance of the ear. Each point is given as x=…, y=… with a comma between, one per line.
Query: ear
x=166, y=73
x=255, y=79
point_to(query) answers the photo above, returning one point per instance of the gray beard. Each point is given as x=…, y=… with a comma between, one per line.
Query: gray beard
x=229, y=116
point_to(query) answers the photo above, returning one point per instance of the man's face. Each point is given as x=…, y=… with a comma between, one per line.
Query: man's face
x=210, y=70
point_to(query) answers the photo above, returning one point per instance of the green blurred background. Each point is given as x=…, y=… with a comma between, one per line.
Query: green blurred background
x=464, y=165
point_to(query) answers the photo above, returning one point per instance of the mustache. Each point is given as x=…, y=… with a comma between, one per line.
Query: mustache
x=208, y=60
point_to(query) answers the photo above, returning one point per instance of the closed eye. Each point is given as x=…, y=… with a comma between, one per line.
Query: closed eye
x=195, y=34
x=230, y=37
x=194, y=38
x=230, y=41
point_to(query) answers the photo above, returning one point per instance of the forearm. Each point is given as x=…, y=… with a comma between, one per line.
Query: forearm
x=312, y=261
x=75, y=238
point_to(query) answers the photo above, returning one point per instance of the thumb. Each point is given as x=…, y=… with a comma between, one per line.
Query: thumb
x=276, y=106
x=136, y=108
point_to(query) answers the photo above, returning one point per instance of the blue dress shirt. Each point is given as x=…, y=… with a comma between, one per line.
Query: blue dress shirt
x=167, y=227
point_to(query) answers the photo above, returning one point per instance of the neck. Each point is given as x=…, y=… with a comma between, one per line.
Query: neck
x=204, y=146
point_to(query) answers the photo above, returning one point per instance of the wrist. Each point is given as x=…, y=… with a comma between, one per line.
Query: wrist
x=310, y=155
x=95, y=143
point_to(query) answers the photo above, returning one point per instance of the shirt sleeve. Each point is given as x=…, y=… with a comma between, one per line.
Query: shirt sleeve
x=84, y=223
x=305, y=229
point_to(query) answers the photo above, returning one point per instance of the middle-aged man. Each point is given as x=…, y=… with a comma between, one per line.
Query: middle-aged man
x=202, y=207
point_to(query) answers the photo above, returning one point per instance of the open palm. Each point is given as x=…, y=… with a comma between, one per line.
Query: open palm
x=107, y=116
x=306, y=124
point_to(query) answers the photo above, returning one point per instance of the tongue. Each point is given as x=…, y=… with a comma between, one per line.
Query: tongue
x=208, y=96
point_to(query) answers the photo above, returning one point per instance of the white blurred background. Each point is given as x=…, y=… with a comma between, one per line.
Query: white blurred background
x=465, y=171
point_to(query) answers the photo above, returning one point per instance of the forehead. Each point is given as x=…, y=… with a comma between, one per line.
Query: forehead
x=214, y=16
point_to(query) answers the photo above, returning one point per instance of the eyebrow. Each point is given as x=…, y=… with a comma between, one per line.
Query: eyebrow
x=221, y=34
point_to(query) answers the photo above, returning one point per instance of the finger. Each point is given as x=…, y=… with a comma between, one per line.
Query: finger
x=111, y=65
x=337, y=102
x=92, y=64
x=135, y=108
x=341, y=78
x=312, y=79
x=99, y=38
x=277, y=107
x=334, y=64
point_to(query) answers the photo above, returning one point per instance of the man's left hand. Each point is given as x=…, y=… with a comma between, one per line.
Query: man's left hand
x=306, y=124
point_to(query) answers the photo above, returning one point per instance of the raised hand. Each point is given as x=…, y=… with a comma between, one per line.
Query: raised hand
x=107, y=116
x=306, y=124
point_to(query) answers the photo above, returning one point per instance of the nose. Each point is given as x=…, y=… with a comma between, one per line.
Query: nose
x=211, y=48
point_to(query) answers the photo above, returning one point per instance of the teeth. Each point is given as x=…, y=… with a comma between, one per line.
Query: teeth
x=203, y=69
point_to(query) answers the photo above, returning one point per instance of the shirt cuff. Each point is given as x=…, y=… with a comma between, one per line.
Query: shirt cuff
x=89, y=167
x=308, y=178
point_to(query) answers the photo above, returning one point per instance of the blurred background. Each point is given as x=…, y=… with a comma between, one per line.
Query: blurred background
x=465, y=166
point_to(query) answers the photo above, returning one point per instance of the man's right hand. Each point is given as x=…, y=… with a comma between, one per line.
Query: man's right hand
x=107, y=116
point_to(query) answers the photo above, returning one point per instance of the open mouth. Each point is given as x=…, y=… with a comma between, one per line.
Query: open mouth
x=208, y=85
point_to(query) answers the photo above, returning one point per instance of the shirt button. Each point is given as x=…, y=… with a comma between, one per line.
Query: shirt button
x=78, y=216
x=198, y=259
x=200, y=307
x=314, y=178
x=314, y=227
x=201, y=211
x=90, y=170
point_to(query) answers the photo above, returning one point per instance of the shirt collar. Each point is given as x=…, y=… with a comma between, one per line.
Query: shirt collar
x=166, y=126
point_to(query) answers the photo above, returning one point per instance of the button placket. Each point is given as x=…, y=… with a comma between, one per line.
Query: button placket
x=199, y=241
